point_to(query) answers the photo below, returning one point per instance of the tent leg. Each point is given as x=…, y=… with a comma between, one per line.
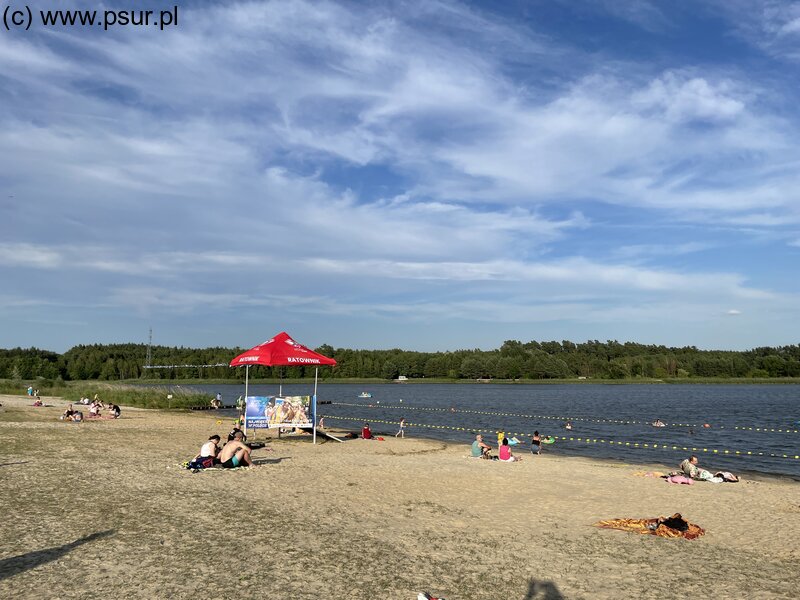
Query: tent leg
x=314, y=400
x=246, y=381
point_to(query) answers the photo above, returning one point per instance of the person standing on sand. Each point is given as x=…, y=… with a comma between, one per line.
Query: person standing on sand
x=401, y=432
x=536, y=443
x=235, y=453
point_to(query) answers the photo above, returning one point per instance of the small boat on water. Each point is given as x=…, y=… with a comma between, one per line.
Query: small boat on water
x=365, y=395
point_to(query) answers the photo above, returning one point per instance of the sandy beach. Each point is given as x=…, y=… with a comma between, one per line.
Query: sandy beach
x=103, y=509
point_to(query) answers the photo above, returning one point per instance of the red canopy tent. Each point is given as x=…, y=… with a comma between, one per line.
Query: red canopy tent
x=280, y=351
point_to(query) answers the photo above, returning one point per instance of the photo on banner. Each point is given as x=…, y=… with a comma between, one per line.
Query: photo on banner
x=267, y=412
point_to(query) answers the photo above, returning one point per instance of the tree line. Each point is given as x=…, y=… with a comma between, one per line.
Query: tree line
x=513, y=360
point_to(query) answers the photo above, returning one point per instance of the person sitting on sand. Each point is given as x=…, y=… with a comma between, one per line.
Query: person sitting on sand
x=366, y=432
x=536, y=443
x=506, y=454
x=113, y=411
x=480, y=449
x=67, y=413
x=94, y=409
x=76, y=417
x=689, y=467
x=235, y=453
x=37, y=403
x=234, y=431
x=210, y=449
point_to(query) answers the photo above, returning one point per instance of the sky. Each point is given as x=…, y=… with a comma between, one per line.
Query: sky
x=427, y=175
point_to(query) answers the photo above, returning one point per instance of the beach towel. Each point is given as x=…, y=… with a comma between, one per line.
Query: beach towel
x=649, y=474
x=654, y=527
x=680, y=479
x=707, y=476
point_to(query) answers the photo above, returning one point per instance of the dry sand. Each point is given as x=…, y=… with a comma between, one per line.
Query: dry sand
x=101, y=510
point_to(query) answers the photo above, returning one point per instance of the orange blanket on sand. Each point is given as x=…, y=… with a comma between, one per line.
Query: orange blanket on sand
x=653, y=527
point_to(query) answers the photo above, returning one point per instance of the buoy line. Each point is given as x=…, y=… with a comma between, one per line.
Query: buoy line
x=585, y=440
x=557, y=418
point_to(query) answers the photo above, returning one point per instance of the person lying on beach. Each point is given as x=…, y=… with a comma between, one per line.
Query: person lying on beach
x=235, y=453
x=480, y=449
x=506, y=454
x=366, y=432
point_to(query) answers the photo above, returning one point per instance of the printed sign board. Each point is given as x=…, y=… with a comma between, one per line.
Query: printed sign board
x=265, y=412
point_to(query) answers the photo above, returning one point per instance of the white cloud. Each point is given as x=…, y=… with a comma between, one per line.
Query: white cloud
x=733, y=312
x=690, y=98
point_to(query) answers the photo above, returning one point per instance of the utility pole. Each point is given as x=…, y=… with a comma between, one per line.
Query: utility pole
x=149, y=359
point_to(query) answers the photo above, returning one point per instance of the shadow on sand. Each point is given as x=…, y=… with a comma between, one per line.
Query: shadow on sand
x=19, y=564
x=269, y=461
x=542, y=590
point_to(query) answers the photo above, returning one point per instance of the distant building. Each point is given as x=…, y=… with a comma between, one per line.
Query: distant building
x=401, y=379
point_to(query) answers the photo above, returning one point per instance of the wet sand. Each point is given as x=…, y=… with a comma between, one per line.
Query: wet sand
x=102, y=509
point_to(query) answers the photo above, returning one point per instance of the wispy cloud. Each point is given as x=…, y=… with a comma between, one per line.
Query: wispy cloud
x=437, y=156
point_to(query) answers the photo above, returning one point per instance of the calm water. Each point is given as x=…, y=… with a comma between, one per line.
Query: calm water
x=603, y=412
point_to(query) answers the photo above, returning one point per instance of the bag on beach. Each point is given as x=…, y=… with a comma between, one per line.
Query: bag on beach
x=205, y=462
x=676, y=522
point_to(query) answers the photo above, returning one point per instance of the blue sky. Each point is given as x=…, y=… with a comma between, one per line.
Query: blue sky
x=425, y=175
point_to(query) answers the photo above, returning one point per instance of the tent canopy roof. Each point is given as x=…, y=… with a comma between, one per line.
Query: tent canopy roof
x=281, y=350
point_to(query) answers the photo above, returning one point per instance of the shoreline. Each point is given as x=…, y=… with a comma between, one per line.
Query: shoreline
x=525, y=453
x=750, y=474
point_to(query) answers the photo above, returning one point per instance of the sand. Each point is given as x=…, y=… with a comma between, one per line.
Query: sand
x=101, y=510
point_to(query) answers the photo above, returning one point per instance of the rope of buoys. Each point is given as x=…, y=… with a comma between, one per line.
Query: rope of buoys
x=764, y=429
x=585, y=440
x=557, y=418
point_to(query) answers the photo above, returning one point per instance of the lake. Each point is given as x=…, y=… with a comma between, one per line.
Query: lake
x=610, y=419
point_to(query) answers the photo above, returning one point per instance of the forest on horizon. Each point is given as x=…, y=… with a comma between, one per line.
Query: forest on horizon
x=513, y=360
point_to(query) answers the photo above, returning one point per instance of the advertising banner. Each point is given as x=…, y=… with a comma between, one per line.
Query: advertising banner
x=264, y=412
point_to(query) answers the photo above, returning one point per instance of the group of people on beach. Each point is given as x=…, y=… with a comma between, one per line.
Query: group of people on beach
x=690, y=470
x=234, y=453
x=481, y=449
x=366, y=431
x=95, y=410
